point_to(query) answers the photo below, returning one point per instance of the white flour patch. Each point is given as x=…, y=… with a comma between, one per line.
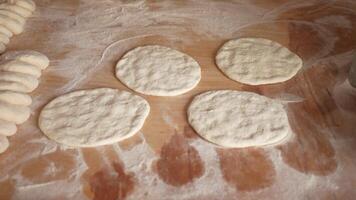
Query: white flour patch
x=140, y=158
x=49, y=147
x=336, y=21
x=169, y=119
x=286, y=98
x=66, y=188
x=212, y=182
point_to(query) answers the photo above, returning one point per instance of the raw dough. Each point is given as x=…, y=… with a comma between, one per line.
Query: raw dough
x=13, y=86
x=16, y=98
x=13, y=25
x=238, y=119
x=257, y=61
x=14, y=113
x=21, y=67
x=4, y=143
x=13, y=15
x=4, y=39
x=5, y=31
x=89, y=118
x=28, y=4
x=33, y=57
x=17, y=9
x=27, y=80
x=157, y=70
x=2, y=47
x=7, y=128
x=18, y=75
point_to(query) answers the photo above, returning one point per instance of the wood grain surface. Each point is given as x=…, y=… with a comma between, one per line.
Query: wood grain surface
x=167, y=159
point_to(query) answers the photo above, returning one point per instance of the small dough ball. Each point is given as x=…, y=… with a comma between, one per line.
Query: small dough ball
x=16, y=98
x=14, y=16
x=2, y=48
x=7, y=128
x=13, y=25
x=4, y=39
x=33, y=57
x=28, y=4
x=27, y=80
x=14, y=113
x=5, y=31
x=17, y=9
x=21, y=67
x=14, y=86
x=4, y=143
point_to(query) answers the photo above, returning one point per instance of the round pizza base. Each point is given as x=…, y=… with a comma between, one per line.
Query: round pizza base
x=158, y=71
x=238, y=119
x=257, y=61
x=89, y=118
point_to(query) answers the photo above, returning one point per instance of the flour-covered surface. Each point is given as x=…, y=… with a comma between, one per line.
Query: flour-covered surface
x=167, y=160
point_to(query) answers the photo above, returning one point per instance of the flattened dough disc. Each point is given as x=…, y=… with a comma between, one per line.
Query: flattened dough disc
x=238, y=119
x=159, y=71
x=257, y=61
x=89, y=118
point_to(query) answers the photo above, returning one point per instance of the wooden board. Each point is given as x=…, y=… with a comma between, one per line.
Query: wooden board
x=166, y=159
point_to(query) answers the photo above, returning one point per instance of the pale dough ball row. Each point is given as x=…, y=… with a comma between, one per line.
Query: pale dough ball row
x=19, y=73
x=13, y=18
